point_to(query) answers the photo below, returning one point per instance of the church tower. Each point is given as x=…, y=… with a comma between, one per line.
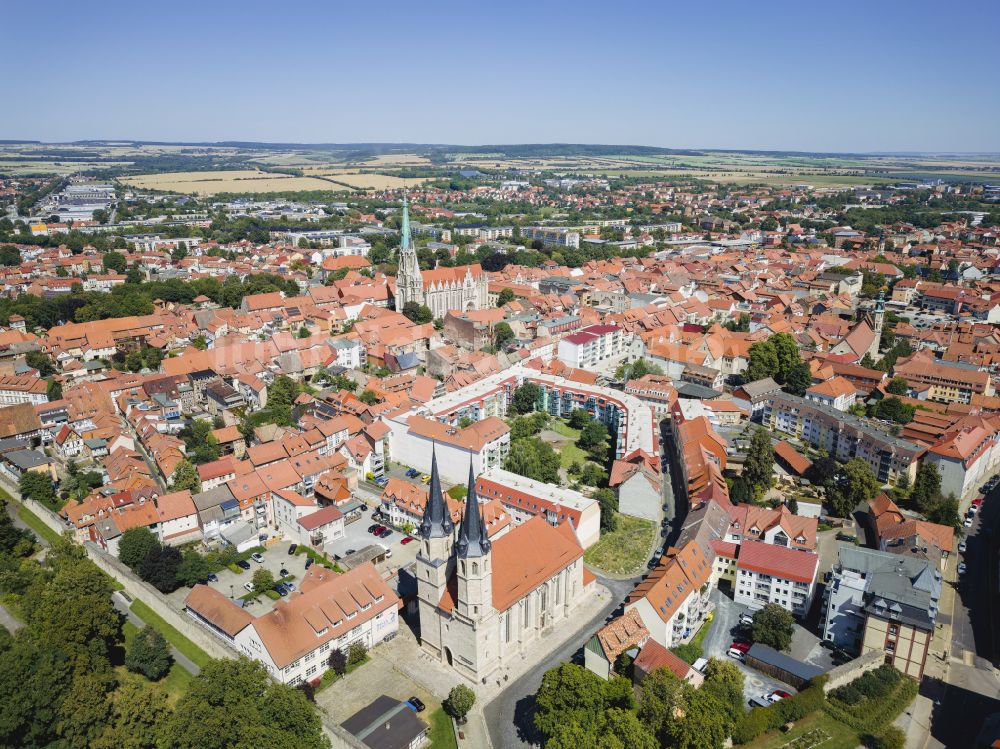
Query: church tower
x=473, y=553
x=434, y=560
x=878, y=319
x=409, y=283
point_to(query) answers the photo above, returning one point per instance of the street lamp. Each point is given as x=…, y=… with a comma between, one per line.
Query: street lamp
x=232, y=595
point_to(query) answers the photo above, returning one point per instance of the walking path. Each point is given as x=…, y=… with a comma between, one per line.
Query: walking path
x=9, y=621
x=182, y=659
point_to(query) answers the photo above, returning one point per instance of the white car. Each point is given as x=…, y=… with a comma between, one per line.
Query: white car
x=962, y=568
x=248, y=586
x=257, y=558
x=968, y=522
x=737, y=654
x=961, y=546
x=746, y=620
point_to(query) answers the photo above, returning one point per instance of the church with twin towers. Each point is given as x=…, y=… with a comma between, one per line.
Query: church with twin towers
x=462, y=288
x=482, y=602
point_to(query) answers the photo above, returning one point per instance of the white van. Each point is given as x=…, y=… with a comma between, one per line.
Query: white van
x=737, y=654
x=699, y=665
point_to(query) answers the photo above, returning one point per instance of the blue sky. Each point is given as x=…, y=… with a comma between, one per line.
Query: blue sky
x=878, y=75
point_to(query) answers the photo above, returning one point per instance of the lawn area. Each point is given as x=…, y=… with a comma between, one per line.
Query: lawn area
x=624, y=549
x=569, y=454
x=817, y=730
x=702, y=633
x=561, y=427
x=174, y=637
x=442, y=734
x=35, y=523
x=175, y=683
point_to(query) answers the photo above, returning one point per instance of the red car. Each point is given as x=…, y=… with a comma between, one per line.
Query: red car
x=977, y=501
x=407, y=540
x=781, y=693
x=741, y=646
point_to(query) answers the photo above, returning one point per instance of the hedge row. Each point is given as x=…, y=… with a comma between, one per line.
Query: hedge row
x=872, y=715
x=873, y=685
x=762, y=719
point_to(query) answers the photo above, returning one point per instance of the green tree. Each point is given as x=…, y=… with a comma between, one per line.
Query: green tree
x=304, y=332
x=159, y=568
x=506, y=296
x=460, y=701
x=525, y=398
x=37, y=486
x=622, y=728
x=573, y=694
x=41, y=361
x=594, y=440
x=703, y=723
x=786, y=349
x=263, y=580
x=502, y=333
x=822, y=470
x=9, y=255
x=417, y=313
x=185, y=476
x=534, y=459
x=854, y=485
x=137, y=713
x=926, y=487
x=579, y=418
x=135, y=545
x=893, y=409
x=725, y=681
x=114, y=262
x=369, y=397
x=773, y=625
x=763, y=362
x=608, y=503
x=193, y=568
x=148, y=654
x=945, y=512
x=200, y=343
x=338, y=661
x=897, y=386
x=234, y=703
x=36, y=675
x=53, y=389
x=759, y=464
x=662, y=698
x=799, y=379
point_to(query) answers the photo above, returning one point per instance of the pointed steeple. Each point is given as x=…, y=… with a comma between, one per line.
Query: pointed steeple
x=404, y=227
x=472, y=538
x=437, y=520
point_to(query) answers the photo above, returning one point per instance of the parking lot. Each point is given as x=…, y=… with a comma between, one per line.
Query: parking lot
x=356, y=537
x=725, y=627
x=276, y=558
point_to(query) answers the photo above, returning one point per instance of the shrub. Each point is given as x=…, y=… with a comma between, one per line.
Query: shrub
x=762, y=719
x=688, y=652
x=872, y=714
x=356, y=653
x=891, y=738
x=338, y=661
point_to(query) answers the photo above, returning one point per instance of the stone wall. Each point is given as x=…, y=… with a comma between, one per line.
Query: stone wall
x=848, y=672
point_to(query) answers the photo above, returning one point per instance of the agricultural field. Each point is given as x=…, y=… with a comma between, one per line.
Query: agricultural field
x=234, y=181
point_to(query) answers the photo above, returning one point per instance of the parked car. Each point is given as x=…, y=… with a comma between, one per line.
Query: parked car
x=257, y=558
x=281, y=589
x=961, y=546
x=309, y=562
x=243, y=564
x=977, y=502
x=384, y=533
x=746, y=620
x=737, y=654
x=425, y=478
x=412, y=473
x=407, y=540
x=740, y=645
x=212, y=577
x=248, y=586
x=381, y=481
x=968, y=521
x=283, y=572
x=962, y=568
x=350, y=551
x=373, y=527
x=292, y=548
x=760, y=701
x=388, y=553
x=841, y=536
x=290, y=585
x=778, y=694
x=416, y=704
